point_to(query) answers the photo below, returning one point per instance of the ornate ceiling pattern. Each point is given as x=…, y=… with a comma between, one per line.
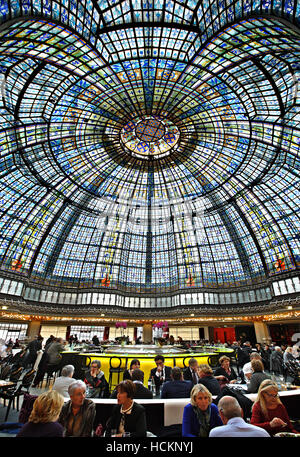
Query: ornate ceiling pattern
x=149, y=147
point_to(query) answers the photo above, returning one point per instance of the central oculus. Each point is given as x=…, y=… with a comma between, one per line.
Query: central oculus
x=150, y=137
x=150, y=130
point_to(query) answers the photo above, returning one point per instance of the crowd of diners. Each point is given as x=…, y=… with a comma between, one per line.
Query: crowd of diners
x=68, y=408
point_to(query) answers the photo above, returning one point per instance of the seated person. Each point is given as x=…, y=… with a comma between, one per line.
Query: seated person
x=97, y=386
x=191, y=372
x=127, y=416
x=177, y=387
x=205, y=374
x=247, y=368
x=225, y=374
x=234, y=425
x=200, y=416
x=20, y=359
x=257, y=377
x=135, y=363
x=268, y=412
x=140, y=390
x=61, y=384
x=42, y=421
x=161, y=373
x=78, y=414
x=53, y=350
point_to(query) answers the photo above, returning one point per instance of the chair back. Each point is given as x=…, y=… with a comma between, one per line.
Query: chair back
x=26, y=407
x=213, y=360
x=8, y=359
x=184, y=361
x=115, y=363
x=28, y=378
x=15, y=374
x=5, y=372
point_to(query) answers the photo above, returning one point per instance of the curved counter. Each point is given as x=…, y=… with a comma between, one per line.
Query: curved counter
x=81, y=360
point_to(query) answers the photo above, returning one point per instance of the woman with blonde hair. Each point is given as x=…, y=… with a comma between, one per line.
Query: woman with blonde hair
x=42, y=421
x=200, y=416
x=268, y=412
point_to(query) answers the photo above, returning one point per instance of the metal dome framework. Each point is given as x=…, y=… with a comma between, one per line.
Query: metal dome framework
x=200, y=207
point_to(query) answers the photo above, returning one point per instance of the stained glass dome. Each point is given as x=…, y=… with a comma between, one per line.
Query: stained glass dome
x=149, y=151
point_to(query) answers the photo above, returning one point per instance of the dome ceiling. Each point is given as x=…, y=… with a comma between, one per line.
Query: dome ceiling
x=149, y=147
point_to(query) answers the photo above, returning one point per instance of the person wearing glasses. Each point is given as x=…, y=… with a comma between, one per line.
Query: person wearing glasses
x=268, y=412
x=97, y=386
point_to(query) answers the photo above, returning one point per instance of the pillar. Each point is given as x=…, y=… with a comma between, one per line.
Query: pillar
x=147, y=333
x=262, y=332
x=206, y=333
x=106, y=334
x=33, y=330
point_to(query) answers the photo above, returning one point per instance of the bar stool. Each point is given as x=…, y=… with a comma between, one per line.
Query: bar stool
x=115, y=366
x=213, y=360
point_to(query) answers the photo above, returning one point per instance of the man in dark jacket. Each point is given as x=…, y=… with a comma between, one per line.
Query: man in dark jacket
x=177, y=387
x=140, y=390
x=191, y=373
x=243, y=354
x=161, y=373
x=33, y=347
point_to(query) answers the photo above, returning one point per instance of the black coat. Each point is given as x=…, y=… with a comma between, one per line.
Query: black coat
x=276, y=362
x=243, y=355
x=220, y=371
x=212, y=384
x=142, y=391
x=126, y=375
x=167, y=373
x=33, y=348
x=159, y=381
x=135, y=422
x=176, y=389
x=187, y=375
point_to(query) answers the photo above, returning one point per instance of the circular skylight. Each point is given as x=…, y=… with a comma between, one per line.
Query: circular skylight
x=150, y=137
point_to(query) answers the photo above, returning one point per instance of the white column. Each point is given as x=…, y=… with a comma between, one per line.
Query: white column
x=206, y=333
x=33, y=329
x=262, y=332
x=147, y=333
